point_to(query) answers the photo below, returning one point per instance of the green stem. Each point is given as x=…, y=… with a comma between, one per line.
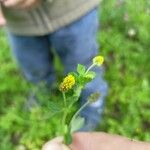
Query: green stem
x=77, y=95
x=65, y=111
x=64, y=119
x=89, y=68
x=77, y=113
x=64, y=97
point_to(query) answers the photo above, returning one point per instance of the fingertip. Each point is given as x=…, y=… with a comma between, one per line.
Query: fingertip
x=51, y=146
x=54, y=146
x=59, y=139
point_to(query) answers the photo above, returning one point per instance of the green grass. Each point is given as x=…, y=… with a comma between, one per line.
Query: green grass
x=127, y=68
x=127, y=109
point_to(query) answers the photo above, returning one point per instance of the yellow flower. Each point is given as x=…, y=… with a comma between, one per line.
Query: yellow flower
x=67, y=83
x=98, y=60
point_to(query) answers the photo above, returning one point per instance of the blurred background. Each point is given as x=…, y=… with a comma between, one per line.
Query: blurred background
x=125, y=43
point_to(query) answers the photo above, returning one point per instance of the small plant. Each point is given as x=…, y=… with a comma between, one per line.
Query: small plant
x=71, y=88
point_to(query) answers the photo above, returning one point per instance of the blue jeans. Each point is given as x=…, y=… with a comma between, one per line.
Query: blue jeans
x=75, y=43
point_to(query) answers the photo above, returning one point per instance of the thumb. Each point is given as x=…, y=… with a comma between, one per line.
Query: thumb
x=55, y=144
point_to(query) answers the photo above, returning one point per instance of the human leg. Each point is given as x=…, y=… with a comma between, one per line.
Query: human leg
x=34, y=57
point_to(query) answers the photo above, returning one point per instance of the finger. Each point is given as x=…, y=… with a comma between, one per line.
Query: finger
x=81, y=141
x=59, y=139
x=54, y=146
x=87, y=141
x=51, y=146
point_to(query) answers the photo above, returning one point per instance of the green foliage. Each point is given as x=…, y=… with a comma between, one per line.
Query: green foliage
x=71, y=88
x=81, y=69
x=76, y=124
x=127, y=67
x=127, y=72
x=84, y=75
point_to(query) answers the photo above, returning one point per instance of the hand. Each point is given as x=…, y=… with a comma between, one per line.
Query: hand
x=20, y=4
x=2, y=18
x=97, y=141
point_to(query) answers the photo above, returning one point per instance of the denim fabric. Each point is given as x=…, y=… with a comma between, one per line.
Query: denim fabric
x=75, y=43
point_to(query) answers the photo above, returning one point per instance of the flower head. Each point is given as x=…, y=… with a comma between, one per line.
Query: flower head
x=67, y=83
x=98, y=60
x=94, y=97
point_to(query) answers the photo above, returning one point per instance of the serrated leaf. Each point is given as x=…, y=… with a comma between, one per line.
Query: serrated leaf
x=77, y=124
x=81, y=69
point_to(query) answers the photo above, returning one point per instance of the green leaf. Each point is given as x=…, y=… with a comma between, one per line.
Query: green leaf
x=77, y=92
x=71, y=100
x=77, y=123
x=85, y=80
x=81, y=69
x=54, y=106
x=90, y=75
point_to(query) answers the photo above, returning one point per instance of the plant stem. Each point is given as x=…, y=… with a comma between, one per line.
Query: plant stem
x=77, y=113
x=64, y=119
x=64, y=97
x=65, y=112
x=89, y=68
